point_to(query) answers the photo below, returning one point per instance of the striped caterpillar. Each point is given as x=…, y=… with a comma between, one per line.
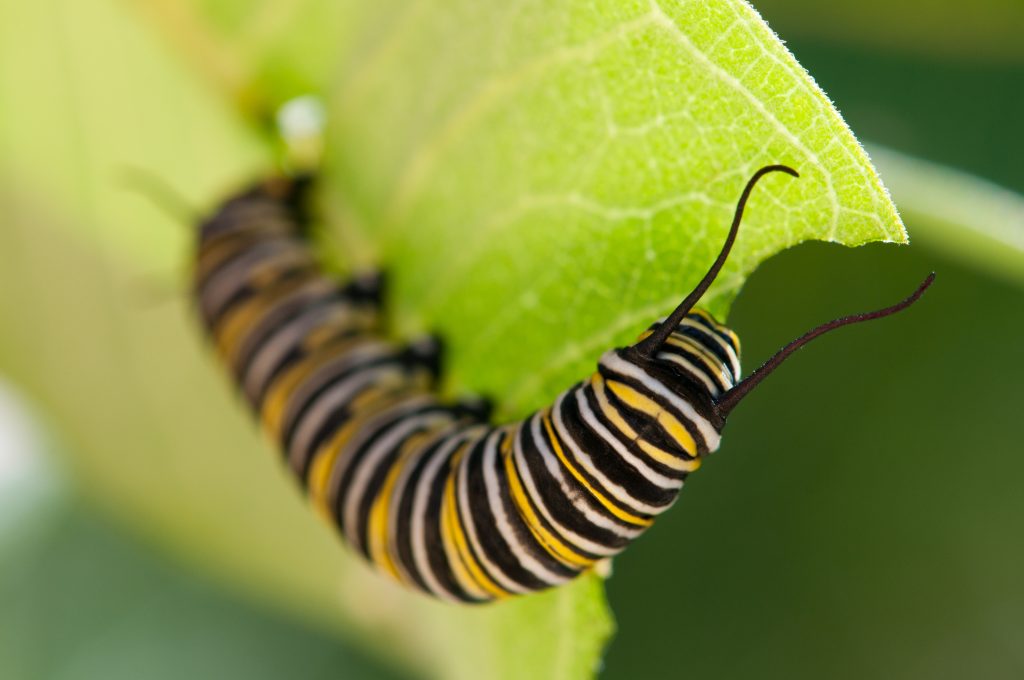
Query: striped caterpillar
x=429, y=491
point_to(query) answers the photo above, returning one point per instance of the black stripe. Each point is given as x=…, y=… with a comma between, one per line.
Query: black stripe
x=699, y=368
x=681, y=384
x=245, y=287
x=439, y=564
x=339, y=414
x=646, y=427
x=562, y=508
x=308, y=320
x=521, y=531
x=281, y=311
x=252, y=208
x=351, y=458
x=485, y=524
x=380, y=472
x=404, y=511
x=609, y=463
x=338, y=418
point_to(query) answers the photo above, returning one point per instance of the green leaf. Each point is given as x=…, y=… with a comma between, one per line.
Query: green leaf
x=968, y=218
x=540, y=181
x=544, y=185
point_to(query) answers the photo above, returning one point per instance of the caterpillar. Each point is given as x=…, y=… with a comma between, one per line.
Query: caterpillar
x=431, y=492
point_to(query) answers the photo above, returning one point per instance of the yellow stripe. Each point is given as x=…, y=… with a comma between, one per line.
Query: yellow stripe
x=611, y=507
x=323, y=463
x=686, y=343
x=278, y=395
x=735, y=339
x=660, y=455
x=554, y=547
x=328, y=329
x=455, y=560
x=319, y=478
x=713, y=363
x=377, y=529
x=215, y=251
x=718, y=365
x=325, y=457
x=704, y=314
x=469, y=572
x=341, y=321
x=670, y=423
x=707, y=317
x=231, y=331
x=719, y=327
x=263, y=274
x=482, y=579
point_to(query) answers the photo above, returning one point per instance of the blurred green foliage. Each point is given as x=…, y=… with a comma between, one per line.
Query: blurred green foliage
x=860, y=519
x=79, y=600
x=941, y=31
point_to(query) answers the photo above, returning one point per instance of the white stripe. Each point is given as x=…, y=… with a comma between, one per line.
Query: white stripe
x=714, y=389
x=308, y=290
x=650, y=474
x=339, y=395
x=357, y=355
x=398, y=495
x=693, y=347
x=577, y=500
x=285, y=340
x=377, y=423
x=465, y=513
x=371, y=460
x=619, y=493
x=250, y=215
x=733, y=357
x=494, y=496
x=417, y=529
x=615, y=363
x=230, y=278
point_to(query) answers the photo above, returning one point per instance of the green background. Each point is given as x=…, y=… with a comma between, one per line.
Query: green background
x=863, y=518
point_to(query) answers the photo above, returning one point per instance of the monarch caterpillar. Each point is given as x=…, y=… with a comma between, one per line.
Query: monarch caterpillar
x=429, y=491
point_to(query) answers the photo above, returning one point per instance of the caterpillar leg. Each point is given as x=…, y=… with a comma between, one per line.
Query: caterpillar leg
x=367, y=287
x=476, y=407
x=427, y=351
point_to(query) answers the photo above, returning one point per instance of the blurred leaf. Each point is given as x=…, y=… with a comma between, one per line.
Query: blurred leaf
x=987, y=30
x=88, y=98
x=972, y=220
x=33, y=489
x=260, y=53
x=586, y=158
x=79, y=600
